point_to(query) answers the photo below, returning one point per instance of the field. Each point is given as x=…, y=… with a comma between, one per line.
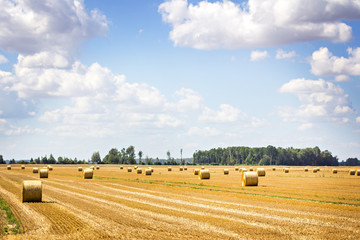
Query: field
x=117, y=204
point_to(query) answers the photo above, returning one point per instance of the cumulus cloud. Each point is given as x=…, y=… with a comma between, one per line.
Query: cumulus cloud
x=323, y=63
x=357, y=119
x=305, y=126
x=281, y=54
x=210, y=25
x=188, y=100
x=258, y=55
x=33, y=26
x=3, y=59
x=227, y=113
x=320, y=100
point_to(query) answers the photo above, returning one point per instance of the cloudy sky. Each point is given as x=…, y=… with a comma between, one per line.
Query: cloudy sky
x=83, y=76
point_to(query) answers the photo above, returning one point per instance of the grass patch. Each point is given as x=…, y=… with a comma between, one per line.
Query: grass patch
x=10, y=224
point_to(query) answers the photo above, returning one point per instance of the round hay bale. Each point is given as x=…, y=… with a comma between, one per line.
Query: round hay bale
x=97, y=168
x=35, y=170
x=135, y=167
x=204, y=174
x=92, y=167
x=80, y=169
x=250, y=179
x=50, y=168
x=352, y=172
x=242, y=170
x=226, y=171
x=358, y=172
x=8, y=167
x=185, y=168
x=260, y=172
x=202, y=167
x=236, y=168
x=121, y=167
x=148, y=172
x=129, y=169
x=334, y=171
x=251, y=169
x=196, y=171
x=314, y=170
x=181, y=168
x=31, y=191
x=286, y=170
x=139, y=171
x=152, y=170
x=22, y=166
x=88, y=173
x=44, y=173
x=169, y=169
x=273, y=168
x=318, y=169
x=306, y=169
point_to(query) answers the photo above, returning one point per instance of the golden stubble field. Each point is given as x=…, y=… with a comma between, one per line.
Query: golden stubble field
x=117, y=204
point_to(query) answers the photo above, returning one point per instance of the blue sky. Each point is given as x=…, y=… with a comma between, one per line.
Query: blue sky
x=83, y=76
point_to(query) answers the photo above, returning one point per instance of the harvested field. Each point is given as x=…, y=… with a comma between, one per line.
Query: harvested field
x=117, y=204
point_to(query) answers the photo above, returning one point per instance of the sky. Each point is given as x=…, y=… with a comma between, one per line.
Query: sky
x=80, y=76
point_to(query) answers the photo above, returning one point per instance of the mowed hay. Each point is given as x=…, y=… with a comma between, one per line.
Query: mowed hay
x=358, y=172
x=139, y=171
x=204, y=174
x=88, y=173
x=306, y=169
x=334, y=171
x=196, y=171
x=260, y=172
x=148, y=172
x=250, y=179
x=31, y=191
x=129, y=169
x=22, y=166
x=286, y=170
x=169, y=169
x=352, y=172
x=35, y=170
x=226, y=171
x=80, y=169
x=44, y=173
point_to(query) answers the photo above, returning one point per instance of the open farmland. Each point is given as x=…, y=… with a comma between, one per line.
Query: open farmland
x=117, y=204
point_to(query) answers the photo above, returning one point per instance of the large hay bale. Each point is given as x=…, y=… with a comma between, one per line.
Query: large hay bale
x=35, y=170
x=80, y=169
x=226, y=171
x=50, y=168
x=169, y=169
x=314, y=170
x=22, y=166
x=148, y=172
x=181, y=168
x=185, y=168
x=251, y=169
x=334, y=171
x=204, y=174
x=260, y=172
x=249, y=179
x=44, y=173
x=8, y=167
x=31, y=191
x=129, y=169
x=306, y=169
x=196, y=171
x=139, y=171
x=88, y=173
x=286, y=170
x=352, y=172
x=358, y=172
x=236, y=168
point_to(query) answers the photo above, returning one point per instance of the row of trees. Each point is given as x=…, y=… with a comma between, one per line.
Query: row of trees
x=269, y=155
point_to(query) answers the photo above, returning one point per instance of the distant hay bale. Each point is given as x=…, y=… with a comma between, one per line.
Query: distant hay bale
x=129, y=169
x=250, y=179
x=273, y=168
x=50, y=168
x=260, y=172
x=181, y=168
x=352, y=172
x=135, y=167
x=22, y=166
x=204, y=174
x=226, y=171
x=151, y=169
x=318, y=169
x=185, y=168
x=251, y=169
x=286, y=170
x=169, y=169
x=148, y=171
x=97, y=168
x=358, y=172
x=92, y=167
x=31, y=191
x=314, y=170
x=44, y=173
x=139, y=171
x=8, y=167
x=196, y=171
x=236, y=168
x=306, y=169
x=121, y=167
x=88, y=173
x=80, y=169
x=202, y=167
x=242, y=170
x=35, y=170
x=334, y=171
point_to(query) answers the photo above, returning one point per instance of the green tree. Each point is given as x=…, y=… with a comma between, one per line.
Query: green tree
x=140, y=153
x=1, y=160
x=130, y=152
x=95, y=158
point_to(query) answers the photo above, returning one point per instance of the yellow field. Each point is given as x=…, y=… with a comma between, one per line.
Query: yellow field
x=117, y=204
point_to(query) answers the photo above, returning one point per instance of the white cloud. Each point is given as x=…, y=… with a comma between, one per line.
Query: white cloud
x=209, y=25
x=281, y=54
x=357, y=119
x=305, y=126
x=189, y=100
x=323, y=63
x=204, y=132
x=33, y=26
x=258, y=55
x=227, y=113
x=320, y=99
x=3, y=59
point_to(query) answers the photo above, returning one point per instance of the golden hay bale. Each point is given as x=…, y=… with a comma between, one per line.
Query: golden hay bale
x=236, y=168
x=242, y=170
x=50, y=168
x=204, y=174
x=185, y=168
x=169, y=169
x=88, y=173
x=129, y=169
x=196, y=171
x=318, y=169
x=44, y=173
x=35, y=170
x=334, y=171
x=358, y=172
x=135, y=167
x=352, y=172
x=121, y=167
x=314, y=170
x=286, y=170
x=152, y=170
x=22, y=166
x=148, y=171
x=31, y=191
x=250, y=179
x=97, y=168
x=8, y=167
x=92, y=167
x=306, y=169
x=251, y=169
x=273, y=168
x=202, y=167
x=260, y=172
x=181, y=168
x=139, y=171
x=80, y=169
x=226, y=171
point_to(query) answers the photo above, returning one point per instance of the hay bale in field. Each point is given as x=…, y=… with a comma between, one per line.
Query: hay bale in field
x=80, y=169
x=314, y=170
x=260, y=172
x=129, y=169
x=251, y=169
x=196, y=171
x=185, y=168
x=202, y=167
x=181, y=168
x=135, y=167
x=250, y=179
x=31, y=191
x=334, y=171
x=8, y=167
x=169, y=169
x=50, y=168
x=88, y=173
x=236, y=168
x=204, y=174
x=352, y=172
x=22, y=166
x=92, y=167
x=35, y=170
x=286, y=170
x=139, y=171
x=357, y=172
x=273, y=168
x=306, y=169
x=121, y=167
x=148, y=172
x=151, y=169
x=44, y=173
x=226, y=171
x=242, y=170
x=318, y=169
x=97, y=168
